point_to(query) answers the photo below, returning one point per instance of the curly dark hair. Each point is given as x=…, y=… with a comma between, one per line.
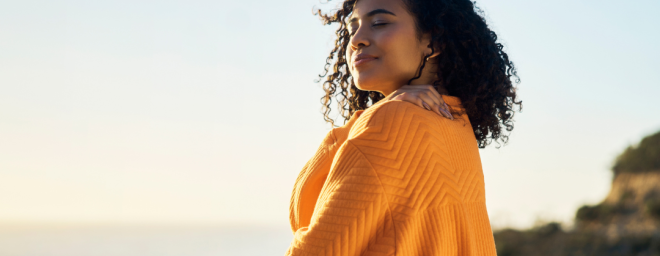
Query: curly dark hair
x=471, y=66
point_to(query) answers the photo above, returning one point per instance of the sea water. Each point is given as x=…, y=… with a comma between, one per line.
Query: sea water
x=143, y=241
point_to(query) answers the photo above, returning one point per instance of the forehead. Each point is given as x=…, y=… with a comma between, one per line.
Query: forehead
x=362, y=7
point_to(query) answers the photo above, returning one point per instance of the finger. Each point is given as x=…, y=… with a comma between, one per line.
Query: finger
x=435, y=94
x=399, y=96
x=436, y=108
x=425, y=88
x=421, y=95
x=441, y=102
x=432, y=96
x=409, y=97
x=394, y=95
x=443, y=107
x=429, y=98
x=446, y=109
x=412, y=98
x=426, y=106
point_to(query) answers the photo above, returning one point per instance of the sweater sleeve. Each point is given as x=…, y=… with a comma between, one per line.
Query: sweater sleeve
x=351, y=215
x=314, y=174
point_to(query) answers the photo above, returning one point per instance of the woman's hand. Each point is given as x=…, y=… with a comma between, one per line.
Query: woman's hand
x=424, y=96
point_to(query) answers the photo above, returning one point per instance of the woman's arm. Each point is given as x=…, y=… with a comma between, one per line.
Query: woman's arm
x=314, y=174
x=352, y=213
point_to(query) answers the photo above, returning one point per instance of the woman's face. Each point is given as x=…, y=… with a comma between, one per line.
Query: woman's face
x=384, y=51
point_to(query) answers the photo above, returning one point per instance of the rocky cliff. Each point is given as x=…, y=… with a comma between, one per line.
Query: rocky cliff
x=626, y=222
x=631, y=208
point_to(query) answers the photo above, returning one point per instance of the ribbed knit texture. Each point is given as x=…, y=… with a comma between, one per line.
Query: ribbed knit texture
x=395, y=180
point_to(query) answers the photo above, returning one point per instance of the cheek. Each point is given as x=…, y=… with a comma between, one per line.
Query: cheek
x=402, y=53
x=400, y=57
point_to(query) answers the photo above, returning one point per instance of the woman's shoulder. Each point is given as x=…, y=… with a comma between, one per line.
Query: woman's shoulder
x=393, y=118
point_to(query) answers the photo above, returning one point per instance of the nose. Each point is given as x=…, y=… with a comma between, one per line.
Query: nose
x=359, y=39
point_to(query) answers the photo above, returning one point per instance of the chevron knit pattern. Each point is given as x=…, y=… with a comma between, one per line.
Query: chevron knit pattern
x=395, y=180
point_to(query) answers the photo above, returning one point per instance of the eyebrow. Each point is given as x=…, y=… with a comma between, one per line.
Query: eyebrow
x=374, y=12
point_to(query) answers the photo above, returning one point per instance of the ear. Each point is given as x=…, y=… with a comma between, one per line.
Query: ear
x=435, y=50
x=431, y=51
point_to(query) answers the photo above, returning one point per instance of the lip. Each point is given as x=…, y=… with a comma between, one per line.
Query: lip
x=362, y=58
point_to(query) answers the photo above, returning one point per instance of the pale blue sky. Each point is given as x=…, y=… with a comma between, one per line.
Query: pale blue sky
x=205, y=111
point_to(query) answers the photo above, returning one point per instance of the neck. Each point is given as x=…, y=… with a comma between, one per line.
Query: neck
x=427, y=78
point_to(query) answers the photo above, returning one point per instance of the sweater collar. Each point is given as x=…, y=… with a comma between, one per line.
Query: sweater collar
x=342, y=131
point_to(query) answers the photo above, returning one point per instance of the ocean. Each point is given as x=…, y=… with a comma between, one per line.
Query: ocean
x=143, y=241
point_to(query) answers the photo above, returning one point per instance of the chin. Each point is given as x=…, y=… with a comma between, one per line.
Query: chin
x=366, y=84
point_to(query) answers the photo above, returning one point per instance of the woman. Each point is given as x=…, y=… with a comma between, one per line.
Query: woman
x=401, y=178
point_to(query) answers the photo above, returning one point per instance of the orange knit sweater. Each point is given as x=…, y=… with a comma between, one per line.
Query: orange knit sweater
x=395, y=180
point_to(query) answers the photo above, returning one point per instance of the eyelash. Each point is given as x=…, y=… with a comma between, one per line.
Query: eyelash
x=373, y=25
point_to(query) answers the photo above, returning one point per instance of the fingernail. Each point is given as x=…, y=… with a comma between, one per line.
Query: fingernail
x=447, y=114
x=426, y=106
x=447, y=110
x=444, y=112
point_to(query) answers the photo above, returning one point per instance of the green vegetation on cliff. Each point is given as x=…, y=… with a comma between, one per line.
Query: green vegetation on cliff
x=626, y=223
x=642, y=158
x=551, y=240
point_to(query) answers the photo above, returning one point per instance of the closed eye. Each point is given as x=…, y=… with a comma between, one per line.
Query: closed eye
x=351, y=33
